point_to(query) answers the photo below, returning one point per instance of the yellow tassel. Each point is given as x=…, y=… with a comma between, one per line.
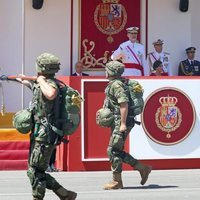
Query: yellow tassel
x=76, y=100
x=138, y=88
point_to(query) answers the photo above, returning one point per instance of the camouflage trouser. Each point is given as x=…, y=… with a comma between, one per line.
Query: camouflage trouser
x=39, y=157
x=115, y=150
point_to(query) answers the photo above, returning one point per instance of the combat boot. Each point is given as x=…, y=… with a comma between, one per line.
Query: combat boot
x=144, y=172
x=64, y=194
x=116, y=183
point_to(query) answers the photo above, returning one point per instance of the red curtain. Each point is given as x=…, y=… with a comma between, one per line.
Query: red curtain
x=103, y=28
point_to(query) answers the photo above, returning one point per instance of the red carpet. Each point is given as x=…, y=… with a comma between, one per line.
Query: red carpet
x=14, y=149
x=13, y=155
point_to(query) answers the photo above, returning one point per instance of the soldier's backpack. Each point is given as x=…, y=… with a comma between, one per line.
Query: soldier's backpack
x=67, y=110
x=135, y=92
x=136, y=103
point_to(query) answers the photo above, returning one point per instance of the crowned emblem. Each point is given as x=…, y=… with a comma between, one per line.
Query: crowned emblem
x=168, y=117
x=110, y=18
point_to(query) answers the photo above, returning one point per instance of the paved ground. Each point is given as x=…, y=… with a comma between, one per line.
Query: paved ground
x=162, y=185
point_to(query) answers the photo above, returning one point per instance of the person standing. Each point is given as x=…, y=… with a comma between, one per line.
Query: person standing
x=159, y=54
x=190, y=66
x=43, y=139
x=117, y=100
x=132, y=54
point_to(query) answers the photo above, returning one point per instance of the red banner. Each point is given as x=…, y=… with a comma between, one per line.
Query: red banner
x=103, y=28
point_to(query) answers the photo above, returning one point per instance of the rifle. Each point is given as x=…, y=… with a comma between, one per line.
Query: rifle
x=12, y=78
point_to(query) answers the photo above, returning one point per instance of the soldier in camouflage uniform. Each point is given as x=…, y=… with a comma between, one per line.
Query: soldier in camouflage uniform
x=43, y=140
x=117, y=100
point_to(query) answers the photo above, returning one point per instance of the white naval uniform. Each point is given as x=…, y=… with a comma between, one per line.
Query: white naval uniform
x=131, y=53
x=164, y=57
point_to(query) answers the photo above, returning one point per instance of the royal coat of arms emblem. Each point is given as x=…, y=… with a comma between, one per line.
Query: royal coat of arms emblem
x=169, y=116
x=110, y=18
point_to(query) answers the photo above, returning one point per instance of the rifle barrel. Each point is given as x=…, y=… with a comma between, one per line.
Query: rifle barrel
x=29, y=78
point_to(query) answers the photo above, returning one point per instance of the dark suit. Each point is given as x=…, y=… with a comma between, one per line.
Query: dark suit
x=83, y=74
x=189, y=69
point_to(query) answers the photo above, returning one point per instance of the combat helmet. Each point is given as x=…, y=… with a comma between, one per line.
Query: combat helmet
x=115, y=68
x=22, y=121
x=104, y=117
x=47, y=63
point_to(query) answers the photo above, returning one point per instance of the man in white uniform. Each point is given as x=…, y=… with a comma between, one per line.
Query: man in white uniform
x=132, y=54
x=159, y=54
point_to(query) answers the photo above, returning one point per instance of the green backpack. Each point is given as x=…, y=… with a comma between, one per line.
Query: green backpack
x=135, y=93
x=67, y=110
x=136, y=103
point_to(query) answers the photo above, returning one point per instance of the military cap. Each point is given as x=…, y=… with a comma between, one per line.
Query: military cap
x=132, y=30
x=158, y=42
x=190, y=49
x=157, y=64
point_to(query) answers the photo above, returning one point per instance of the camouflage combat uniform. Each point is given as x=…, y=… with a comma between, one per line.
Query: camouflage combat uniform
x=43, y=141
x=116, y=93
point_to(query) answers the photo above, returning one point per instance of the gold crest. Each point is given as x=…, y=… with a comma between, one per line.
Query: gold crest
x=168, y=117
x=110, y=18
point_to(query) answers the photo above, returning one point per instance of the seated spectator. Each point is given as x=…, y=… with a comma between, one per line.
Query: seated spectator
x=79, y=70
x=159, y=54
x=158, y=69
x=190, y=66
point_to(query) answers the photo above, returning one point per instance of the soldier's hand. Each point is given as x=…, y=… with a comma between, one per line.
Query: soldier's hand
x=122, y=128
x=40, y=78
x=19, y=78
